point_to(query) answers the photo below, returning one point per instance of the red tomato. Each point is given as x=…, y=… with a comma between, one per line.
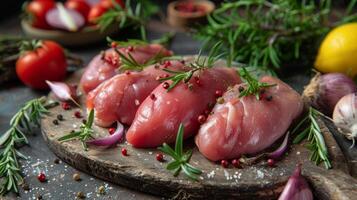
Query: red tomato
x=45, y=62
x=109, y=4
x=95, y=12
x=79, y=5
x=37, y=10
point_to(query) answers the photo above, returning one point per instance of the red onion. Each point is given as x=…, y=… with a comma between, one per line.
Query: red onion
x=324, y=91
x=110, y=140
x=65, y=18
x=296, y=188
x=63, y=91
x=345, y=116
x=281, y=150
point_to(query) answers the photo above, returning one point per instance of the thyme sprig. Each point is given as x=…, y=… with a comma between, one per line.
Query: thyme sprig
x=28, y=115
x=129, y=16
x=180, y=159
x=201, y=62
x=264, y=33
x=313, y=134
x=85, y=132
x=254, y=87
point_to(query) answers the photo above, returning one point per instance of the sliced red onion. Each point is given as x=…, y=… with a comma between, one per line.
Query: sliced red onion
x=63, y=91
x=111, y=139
x=281, y=150
x=296, y=188
x=324, y=91
x=65, y=18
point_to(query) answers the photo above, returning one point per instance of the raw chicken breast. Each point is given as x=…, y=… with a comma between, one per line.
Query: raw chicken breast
x=119, y=97
x=247, y=125
x=157, y=121
x=104, y=65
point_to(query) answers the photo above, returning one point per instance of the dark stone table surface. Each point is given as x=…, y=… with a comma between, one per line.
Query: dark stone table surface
x=60, y=184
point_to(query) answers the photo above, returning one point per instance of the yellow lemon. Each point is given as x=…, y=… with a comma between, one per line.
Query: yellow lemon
x=338, y=51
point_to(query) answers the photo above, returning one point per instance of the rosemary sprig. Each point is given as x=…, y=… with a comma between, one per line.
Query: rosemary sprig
x=200, y=63
x=27, y=116
x=180, y=159
x=254, y=87
x=129, y=16
x=265, y=33
x=85, y=132
x=316, y=140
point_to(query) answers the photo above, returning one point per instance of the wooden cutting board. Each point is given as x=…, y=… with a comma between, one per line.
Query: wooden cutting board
x=141, y=171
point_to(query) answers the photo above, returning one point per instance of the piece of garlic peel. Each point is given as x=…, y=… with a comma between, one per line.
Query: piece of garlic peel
x=66, y=18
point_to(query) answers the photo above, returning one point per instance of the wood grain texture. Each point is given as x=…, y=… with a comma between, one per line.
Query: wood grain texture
x=141, y=171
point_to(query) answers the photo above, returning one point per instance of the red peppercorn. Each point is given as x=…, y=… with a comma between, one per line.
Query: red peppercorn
x=66, y=106
x=159, y=157
x=113, y=44
x=130, y=48
x=78, y=114
x=127, y=72
x=201, y=119
x=124, y=152
x=167, y=63
x=111, y=130
x=165, y=85
x=224, y=163
x=236, y=163
x=41, y=177
x=153, y=97
x=218, y=93
x=198, y=82
x=271, y=162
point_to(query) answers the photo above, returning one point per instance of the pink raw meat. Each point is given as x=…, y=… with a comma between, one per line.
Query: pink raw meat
x=104, y=65
x=247, y=125
x=119, y=97
x=157, y=121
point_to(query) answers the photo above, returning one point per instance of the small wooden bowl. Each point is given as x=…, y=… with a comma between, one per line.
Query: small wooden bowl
x=184, y=20
x=87, y=35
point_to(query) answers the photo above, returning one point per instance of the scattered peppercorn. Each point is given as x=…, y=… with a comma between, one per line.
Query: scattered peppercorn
x=56, y=161
x=60, y=117
x=198, y=82
x=41, y=177
x=101, y=190
x=25, y=186
x=124, y=152
x=224, y=163
x=165, y=85
x=218, y=93
x=127, y=72
x=182, y=62
x=156, y=66
x=84, y=121
x=269, y=98
x=153, y=97
x=111, y=130
x=66, y=106
x=167, y=63
x=78, y=114
x=220, y=100
x=55, y=122
x=201, y=119
x=236, y=163
x=271, y=162
x=130, y=48
x=76, y=177
x=38, y=197
x=113, y=44
x=241, y=88
x=159, y=157
x=80, y=195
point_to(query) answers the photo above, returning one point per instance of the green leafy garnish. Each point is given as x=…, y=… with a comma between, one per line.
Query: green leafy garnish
x=254, y=87
x=180, y=159
x=200, y=63
x=14, y=137
x=85, y=132
x=313, y=134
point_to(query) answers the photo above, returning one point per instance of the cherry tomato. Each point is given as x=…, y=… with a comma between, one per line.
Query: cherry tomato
x=37, y=11
x=109, y=4
x=95, y=12
x=79, y=5
x=43, y=61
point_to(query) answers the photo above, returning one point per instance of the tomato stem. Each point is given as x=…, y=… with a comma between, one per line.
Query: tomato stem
x=30, y=45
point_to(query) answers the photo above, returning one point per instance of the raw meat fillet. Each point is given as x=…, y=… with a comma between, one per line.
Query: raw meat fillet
x=157, y=121
x=104, y=65
x=119, y=97
x=247, y=125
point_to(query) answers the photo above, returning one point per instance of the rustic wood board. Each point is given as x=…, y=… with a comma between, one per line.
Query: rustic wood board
x=141, y=171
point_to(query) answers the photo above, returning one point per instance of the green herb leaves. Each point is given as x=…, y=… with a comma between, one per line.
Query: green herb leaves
x=83, y=134
x=27, y=116
x=313, y=134
x=180, y=159
x=254, y=87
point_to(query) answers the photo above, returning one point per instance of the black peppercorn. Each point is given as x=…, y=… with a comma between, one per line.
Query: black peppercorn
x=60, y=117
x=55, y=122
